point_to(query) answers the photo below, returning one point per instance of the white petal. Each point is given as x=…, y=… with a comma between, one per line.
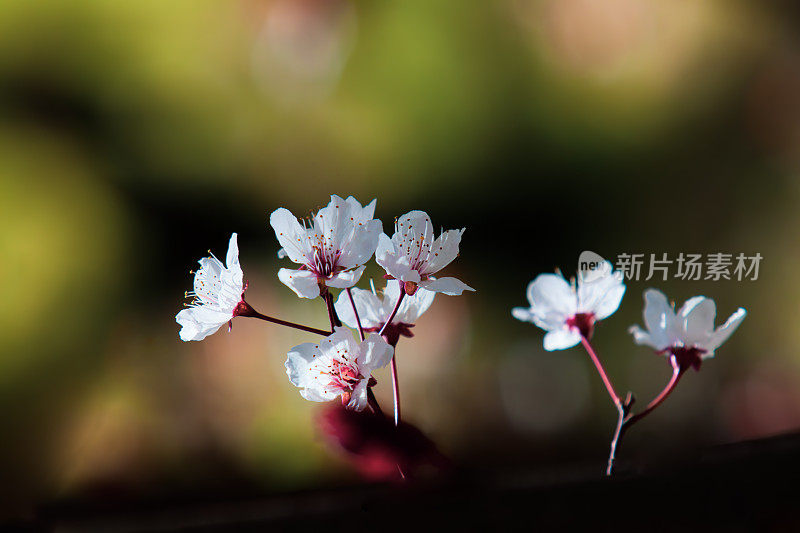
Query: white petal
x=359, y=398
x=726, y=330
x=302, y=282
x=659, y=318
x=413, y=229
x=197, y=323
x=385, y=248
x=561, y=339
x=522, y=313
x=643, y=337
x=369, y=306
x=610, y=302
x=334, y=223
x=443, y=251
x=409, y=275
x=232, y=277
x=698, y=321
x=340, y=341
x=412, y=307
x=298, y=362
x=359, y=248
x=449, y=286
x=601, y=296
x=360, y=244
x=232, y=260
x=552, y=300
x=367, y=212
x=327, y=220
x=688, y=305
x=292, y=237
x=346, y=278
x=340, y=334
x=375, y=353
x=391, y=293
x=208, y=278
x=387, y=257
x=413, y=239
x=317, y=394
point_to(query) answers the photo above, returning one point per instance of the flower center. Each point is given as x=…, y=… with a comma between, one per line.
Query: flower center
x=686, y=356
x=417, y=247
x=583, y=322
x=325, y=262
x=344, y=376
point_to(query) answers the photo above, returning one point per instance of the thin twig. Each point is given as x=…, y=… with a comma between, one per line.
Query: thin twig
x=622, y=411
x=395, y=389
x=247, y=310
x=627, y=420
x=395, y=383
x=355, y=312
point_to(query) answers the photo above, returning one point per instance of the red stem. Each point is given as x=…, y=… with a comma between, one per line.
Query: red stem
x=245, y=309
x=602, y=371
x=334, y=318
x=394, y=311
x=658, y=400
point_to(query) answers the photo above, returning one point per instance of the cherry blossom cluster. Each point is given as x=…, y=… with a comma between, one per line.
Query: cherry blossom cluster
x=568, y=312
x=330, y=250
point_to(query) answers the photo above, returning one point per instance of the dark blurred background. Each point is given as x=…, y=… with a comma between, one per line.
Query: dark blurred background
x=136, y=135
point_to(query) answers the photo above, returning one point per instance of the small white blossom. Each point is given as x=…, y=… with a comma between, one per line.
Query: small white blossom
x=565, y=311
x=413, y=256
x=373, y=310
x=688, y=336
x=331, y=249
x=218, y=290
x=337, y=366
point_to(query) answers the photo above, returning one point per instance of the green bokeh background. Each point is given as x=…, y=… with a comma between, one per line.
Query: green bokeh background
x=136, y=135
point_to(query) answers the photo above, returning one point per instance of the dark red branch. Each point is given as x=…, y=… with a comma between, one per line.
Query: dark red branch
x=246, y=310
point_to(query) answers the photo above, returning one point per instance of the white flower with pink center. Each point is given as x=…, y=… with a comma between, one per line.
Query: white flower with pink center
x=339, y=366
x=331, y=248
x=412, y=255
x=218, y=291
x=687, y=336
x=567, y=311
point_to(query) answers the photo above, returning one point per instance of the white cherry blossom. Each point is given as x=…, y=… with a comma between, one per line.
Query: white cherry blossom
x=339, y=366
x=688, y=336
x=565, y=311
x=412, y=255
x=331, y=248
x=218, y=291
x=373, y=310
